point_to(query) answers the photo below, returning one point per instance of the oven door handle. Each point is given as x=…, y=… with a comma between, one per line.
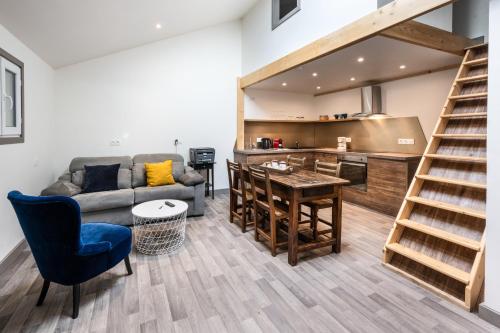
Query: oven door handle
x=354, y=163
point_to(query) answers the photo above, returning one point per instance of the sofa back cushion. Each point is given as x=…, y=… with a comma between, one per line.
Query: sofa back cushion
x=77, y=169
x=139, y=172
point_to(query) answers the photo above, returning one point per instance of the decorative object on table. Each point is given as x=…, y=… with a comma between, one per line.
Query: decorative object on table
x=159, y=226
x=280, y=167
x=66, y=251
x=324, y=117
x=159, y=174
x=343, y=116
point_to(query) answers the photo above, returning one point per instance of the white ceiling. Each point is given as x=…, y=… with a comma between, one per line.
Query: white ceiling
x=382, y=58
x=64, y=32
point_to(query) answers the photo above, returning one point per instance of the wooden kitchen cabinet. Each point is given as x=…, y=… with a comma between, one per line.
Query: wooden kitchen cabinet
x=387, y=183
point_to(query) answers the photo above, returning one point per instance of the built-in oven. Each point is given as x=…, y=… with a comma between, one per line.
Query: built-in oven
x=354, y=169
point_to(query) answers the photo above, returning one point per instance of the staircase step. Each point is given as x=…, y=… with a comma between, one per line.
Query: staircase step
x=476, y=62
x=448, y=207
x=472, y=115
x=461, y=136
x=457, y=158
x=451, y=181
x=466, y=79
x=432, y=263
x=469, y=96
x=438, y=233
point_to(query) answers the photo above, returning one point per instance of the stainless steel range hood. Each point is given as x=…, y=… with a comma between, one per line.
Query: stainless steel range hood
x=371, y=103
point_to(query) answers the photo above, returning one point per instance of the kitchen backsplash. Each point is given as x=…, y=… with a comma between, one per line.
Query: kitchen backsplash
x=375, y=135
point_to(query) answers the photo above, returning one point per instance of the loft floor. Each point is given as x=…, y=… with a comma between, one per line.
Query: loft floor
x=223, y=280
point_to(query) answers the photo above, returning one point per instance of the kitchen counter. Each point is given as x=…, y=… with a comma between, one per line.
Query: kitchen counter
x=385, y=156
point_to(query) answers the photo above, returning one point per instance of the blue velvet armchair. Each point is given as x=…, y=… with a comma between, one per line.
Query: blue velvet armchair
x=65, y=250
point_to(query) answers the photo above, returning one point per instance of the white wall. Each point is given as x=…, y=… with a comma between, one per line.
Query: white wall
x=27, y=166
x=266, y=104
x=492, y=285
x=146, y=97
x=441, y=18
x=401, y=98
x=316, y=19
x=470, y=18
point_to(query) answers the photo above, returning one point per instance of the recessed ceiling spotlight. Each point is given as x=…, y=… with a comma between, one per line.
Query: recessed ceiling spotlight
x=402, y=67
x=353, y=79
x=158, y=26
x=315, y=74
x=284, y=84
x=318, y=88
x=361, y=59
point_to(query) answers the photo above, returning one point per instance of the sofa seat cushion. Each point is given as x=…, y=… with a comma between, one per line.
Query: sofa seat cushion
x=175, y=191
x=90, y=202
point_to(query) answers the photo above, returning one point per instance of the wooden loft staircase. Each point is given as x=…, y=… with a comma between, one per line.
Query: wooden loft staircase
x=438, y=237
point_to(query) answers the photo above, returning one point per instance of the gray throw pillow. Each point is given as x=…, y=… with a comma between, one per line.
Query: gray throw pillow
x=62, y=188
x=191, y=179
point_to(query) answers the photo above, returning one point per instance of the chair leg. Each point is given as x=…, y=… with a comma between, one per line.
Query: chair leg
x=272, y=225
x=43, y=293
x=127, y=264
x=244, y=216
x=231, y=206
x=76, y=300
x=256, y=219
x=314, y=221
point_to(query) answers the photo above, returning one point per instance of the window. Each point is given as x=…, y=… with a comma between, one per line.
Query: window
x=11, y=99
x=283, y=10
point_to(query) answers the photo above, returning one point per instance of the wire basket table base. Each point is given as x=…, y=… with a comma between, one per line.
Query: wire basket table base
x=155, y=236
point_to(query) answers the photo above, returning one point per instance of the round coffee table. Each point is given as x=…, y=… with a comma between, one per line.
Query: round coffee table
x=159, y=228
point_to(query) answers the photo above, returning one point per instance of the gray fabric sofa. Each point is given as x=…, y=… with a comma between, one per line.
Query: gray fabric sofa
x=116, y=206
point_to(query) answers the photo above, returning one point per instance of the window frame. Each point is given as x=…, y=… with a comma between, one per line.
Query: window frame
x=275, y=20
x=20, y=117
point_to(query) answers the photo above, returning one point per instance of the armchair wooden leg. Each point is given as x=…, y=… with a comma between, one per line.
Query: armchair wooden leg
x=127, y=264
x=43, y=293
x=76, y=300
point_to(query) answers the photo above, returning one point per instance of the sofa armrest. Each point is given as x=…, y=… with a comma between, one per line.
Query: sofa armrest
x=62, y=187
x=191, y=178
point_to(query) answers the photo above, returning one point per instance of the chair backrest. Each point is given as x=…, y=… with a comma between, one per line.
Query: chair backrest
x=326, y=168
x=52, y=228
x=235, y=175
x=260, y=179
x=296, y=161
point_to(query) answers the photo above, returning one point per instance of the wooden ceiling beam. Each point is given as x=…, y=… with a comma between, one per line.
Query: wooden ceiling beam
x=428, y=36
x=394, y=13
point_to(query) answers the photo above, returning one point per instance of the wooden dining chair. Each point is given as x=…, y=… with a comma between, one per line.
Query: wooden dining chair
x=329, y=169
x=296, y=161
x=266, y=209
x=239, y=189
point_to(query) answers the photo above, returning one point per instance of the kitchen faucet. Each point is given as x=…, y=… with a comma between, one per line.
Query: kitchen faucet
x=297, y=144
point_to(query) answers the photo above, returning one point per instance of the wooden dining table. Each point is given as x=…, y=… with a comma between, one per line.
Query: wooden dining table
x=303, y=186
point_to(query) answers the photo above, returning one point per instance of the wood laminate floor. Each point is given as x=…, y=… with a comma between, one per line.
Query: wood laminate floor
x=223, y=281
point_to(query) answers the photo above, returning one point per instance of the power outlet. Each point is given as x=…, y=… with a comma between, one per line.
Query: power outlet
x=115, y=143
x=347, y=139
x=406, y=141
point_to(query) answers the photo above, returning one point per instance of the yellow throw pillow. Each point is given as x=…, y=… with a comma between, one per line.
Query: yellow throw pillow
x=158, y=174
